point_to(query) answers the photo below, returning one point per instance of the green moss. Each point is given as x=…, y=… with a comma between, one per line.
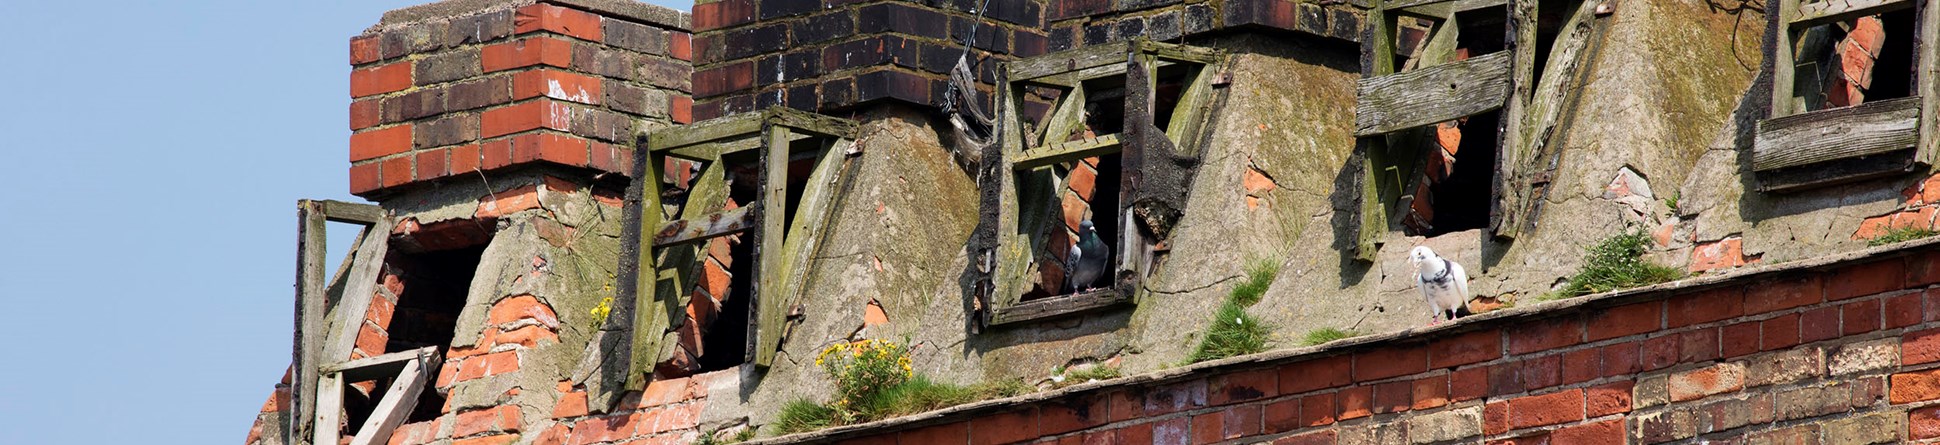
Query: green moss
x=1900, y=234
x=1233, y=331
x=1324, y=335
x=1615, y=263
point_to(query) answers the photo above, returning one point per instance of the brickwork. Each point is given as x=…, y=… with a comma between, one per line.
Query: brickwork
x=514, y=84
x=830, y=55
x=1922, y=202
x=1845, y=353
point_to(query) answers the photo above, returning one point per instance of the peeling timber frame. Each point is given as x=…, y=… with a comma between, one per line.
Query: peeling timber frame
x=664, y=241
x=1398, y=105
x=326, y=334
x=1797, y=149
x=1156, y=166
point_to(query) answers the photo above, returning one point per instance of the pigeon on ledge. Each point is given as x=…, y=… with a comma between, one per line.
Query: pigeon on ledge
x=1443, y=283
x=1088, y=259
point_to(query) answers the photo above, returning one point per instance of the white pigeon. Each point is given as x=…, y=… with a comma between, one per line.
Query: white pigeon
x=1443, y=283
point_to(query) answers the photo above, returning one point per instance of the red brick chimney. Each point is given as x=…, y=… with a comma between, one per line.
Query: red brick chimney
x=468, y=86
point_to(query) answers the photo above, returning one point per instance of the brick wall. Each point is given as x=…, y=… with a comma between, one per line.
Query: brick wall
x=1840, y=350
x=438, y=94
x=833, y=54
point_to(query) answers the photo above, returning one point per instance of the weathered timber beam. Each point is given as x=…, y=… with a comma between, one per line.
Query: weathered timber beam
x=311, y=326
x=359, y=286
x=711, y=151
x=399, y=401
x=1049, y=307
x=380, y=366
x=1865, y=129
x=1174, y=51
x=348, y=212
x=1434, y=94
x=1440, y=9
x=812, y=123
x=1837, y=171
x=705, y=131
x=1829, y=11
x=1066, y=152
x=1067, y=61
x=705, y=227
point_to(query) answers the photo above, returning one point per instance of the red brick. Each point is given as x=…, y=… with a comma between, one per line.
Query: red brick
x=1505, y=378
x=1006, y=427
x=948, y=433
x=380, y=79
x=1547, y=409
x=528, y=336
x=1859, y=317
x=1356, y=402
x=1495, y=418
x=1389, y=362
x=364, y=114
x=1608, y=432
x=1283, y=415
x=680, y=46
x=1242, y=386
x=1462, y=349
x=571, y=404
x=603, y=429
x=557, y=85
x=1866, y=279
x=1923, y=269
x=1546, y=335
x=1208, y=428
x=1728, y=252
x=431, y=164
x=1924, y=423
x=463, y=159
x=1707, y=381
x=1658, y=353
x=1903, y=310
x=395, y=171
x=1582, y=365
x=680, y=108
x=521, y=307
x=557, y=148
x=1468, y=384
x=1541, y=372
x=1778, y=332
x=1705, y=307
x=1140, y=433
x=1739, y=339
x=1620, y=359
x=504, y=418
x=1784, y=294
x=372, y=144
x=1931, y=298
x=1430, y=392
x=363, y=178
x=1607, y=399
x=1325, y=437
x=1912, y=387
x=1819, y=324
x=526, y=52
x=1392, y=397
x=663, y=392
x=1321, y=373
x=1699, y=345
x=1920, y=347
x=502, y=439
x=545, y=17
x=1626, y=320
x=363, y=49
x=532, y=115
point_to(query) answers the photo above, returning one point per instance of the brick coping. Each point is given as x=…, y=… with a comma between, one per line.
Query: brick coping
x=449, y=9
x=1493, y=319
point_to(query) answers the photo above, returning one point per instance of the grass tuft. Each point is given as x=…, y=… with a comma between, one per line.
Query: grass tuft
x=804, y=415
x=1900, y=234
x=1324, y=335
x=1233, y=331
x=918, y=394
x=1615, y=263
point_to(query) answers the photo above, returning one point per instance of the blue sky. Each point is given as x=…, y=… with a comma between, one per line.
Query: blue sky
x=155, y=152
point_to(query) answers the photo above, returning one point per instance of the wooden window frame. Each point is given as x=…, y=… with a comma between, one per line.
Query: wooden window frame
x=410, y=372
x=325, y=333
x=1025, y=159
x=1396, y=108
x=660, y=249
x=1798, y=150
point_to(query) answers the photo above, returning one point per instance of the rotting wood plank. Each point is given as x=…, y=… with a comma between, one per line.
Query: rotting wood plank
x=1025, y=70
x=802, y=242
x=1431, y=95
x=330, y=402
x=399, y=400
x=710, y=151
x=1783, y=63
x=1818, y=13
x=1865, y=129
x=1927, y=78
x=1837, y=171
x=1189, y=115
x=705, y=131
x=1439, y=9
x=706, y=227
x=1063, y=120
x=374, y=367
x=1055, y=306
x=349, y=212
x=771, y=312
x=1536, y=112
x=359, y=287
x=1067, y=152
x=811, y=123
x=311, y=330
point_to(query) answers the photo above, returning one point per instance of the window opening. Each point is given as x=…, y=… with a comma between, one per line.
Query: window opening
x=436, y=285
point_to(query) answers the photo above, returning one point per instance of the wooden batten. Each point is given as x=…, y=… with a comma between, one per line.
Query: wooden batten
x=1430, y=95
x=1819, y=136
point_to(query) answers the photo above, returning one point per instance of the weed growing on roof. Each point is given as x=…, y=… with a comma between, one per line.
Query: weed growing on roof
x=1900, y=234
x=1233, y=331
x=1615, y=263
x=1324, y=335
x=874, y=381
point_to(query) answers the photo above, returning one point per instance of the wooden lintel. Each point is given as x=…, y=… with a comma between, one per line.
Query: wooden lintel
x=1067, y=61
x=812, y=123
x=382, y=365
x=1837, y=171
x=349, y=212
x=1440, y=9
x=1829, y=11
x=703, y=228
x=400, y=399
x=1055, y=306
x=1819, y=136
x=1066, y=152
x=710, y=151
x=705, y=131
x=1430, y=95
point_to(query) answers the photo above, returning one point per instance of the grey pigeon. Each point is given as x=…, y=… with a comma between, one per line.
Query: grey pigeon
x=1088, y=259
x=1443, y=283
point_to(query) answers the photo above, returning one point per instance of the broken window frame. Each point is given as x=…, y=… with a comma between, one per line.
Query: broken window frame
x=1397, y=108
x=1146, y=211
x=656, y=275
x=410, y=372
x=330, y=313
x=1796, y=150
